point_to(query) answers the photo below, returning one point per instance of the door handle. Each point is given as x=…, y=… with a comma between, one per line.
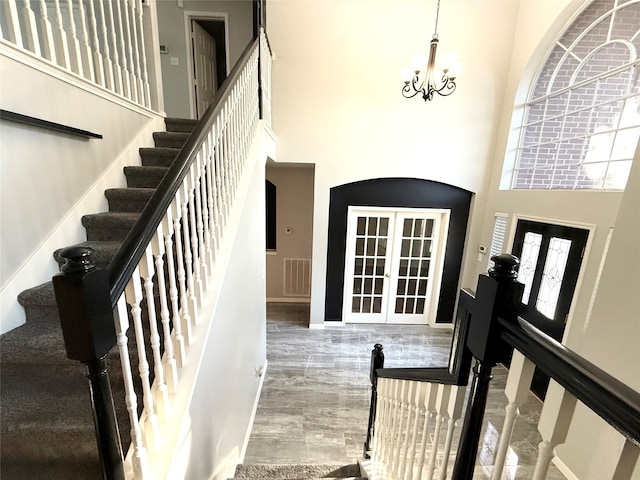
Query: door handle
x=386, y=275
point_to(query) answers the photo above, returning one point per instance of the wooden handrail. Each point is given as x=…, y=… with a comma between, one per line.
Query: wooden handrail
x=609, y=398
x=46, y=124
x=132, y=249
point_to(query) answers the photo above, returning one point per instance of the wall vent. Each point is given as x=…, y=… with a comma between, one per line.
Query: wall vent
x=297, y=277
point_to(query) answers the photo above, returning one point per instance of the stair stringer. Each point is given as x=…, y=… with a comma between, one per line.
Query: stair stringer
x=40, y=266
x=197, y=410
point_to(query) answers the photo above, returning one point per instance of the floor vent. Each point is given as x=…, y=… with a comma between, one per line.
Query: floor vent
x=297, y=277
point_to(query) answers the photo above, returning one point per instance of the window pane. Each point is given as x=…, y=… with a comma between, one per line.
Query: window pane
x=552, y=275
x=528, y=261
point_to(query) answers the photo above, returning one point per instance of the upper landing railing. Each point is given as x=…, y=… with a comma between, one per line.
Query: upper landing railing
x=412, y=408
x=104, y=42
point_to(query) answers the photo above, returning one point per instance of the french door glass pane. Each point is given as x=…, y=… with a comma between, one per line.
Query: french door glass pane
x=528, y=261
x=369, y=264
x=552, y=275
x=413, y=270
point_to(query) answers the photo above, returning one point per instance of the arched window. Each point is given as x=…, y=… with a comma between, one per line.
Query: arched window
x=582, y=120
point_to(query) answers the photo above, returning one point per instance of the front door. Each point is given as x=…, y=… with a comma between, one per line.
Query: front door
x=550, y=259
x=393, y=265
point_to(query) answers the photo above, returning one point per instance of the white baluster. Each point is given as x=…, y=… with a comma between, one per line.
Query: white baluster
x=127, y=89
x=171, y=375
x=555, y=418
x=115, y=56
x=178, y=338
x=392, y=426
x=222, y=198
x=30, y=28
x=211, y=241
x=188, y=255
x=403, y=428
x=418, y=402
x=60, y=43
x=147, y=271
x=202, y=215
x=133, y=294
x=381, y=403
x=87, y=55
x=98, y=61
x=517, y=390
x=442, y=401
x=108, y=63
x=133, y=26
x=627, y=461
x=75, y=52
x=429, y=411
x=133, y=82
x=48, y=44
x=412, y=416
x=144, y=74
x=12, y=17
x=139, y=460
x=454, y=412
x=184, y=299
x=194, y=189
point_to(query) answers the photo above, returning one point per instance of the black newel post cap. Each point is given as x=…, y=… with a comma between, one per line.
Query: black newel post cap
x=377, y=361
x=84, y=305
x=505, y=266
x=497, y=295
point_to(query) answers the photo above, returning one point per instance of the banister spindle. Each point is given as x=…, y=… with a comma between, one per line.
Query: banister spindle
x=12, y=17
x=30, y=28
x=171, y=374
x=144, y=73
x=212, y=199
x=133, y=294
x=60, y=43
x=86, y=319
x=442, y=401
x=454, y=412
x=87, y=55
x=75, y=52
x=127, y=88
x=185, y=307
x=48, y=44
x=430, y=411
x=98, y=60
x=108, y=62
x=133, y=81
x=517, y=390
x=133, y=22
x=188, y=255
x=194, y=189
x=115, y=55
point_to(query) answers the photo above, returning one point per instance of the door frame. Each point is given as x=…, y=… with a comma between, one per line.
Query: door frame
x=204, y=16
x=438, y=268
x=585, y=259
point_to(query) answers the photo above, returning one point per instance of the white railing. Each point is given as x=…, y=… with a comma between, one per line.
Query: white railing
x=102, y=42
x=265, y=78
x=414, y=429
x=159, y=308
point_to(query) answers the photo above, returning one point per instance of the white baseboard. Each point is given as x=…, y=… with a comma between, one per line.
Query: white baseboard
x=40, y=266
x=288, y=300
x=253, y=413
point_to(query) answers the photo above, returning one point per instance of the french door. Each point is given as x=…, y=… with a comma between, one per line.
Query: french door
x=393, y=264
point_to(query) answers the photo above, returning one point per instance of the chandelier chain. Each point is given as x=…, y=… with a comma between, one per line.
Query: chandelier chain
x=435, y=31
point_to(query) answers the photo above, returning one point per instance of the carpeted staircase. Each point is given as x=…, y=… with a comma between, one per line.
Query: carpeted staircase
x=297, y=472
x=46, y=423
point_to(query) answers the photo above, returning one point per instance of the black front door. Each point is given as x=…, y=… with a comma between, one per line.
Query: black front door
x=550, y=259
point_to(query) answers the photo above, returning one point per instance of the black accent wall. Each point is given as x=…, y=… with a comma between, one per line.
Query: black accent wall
x=402, y=193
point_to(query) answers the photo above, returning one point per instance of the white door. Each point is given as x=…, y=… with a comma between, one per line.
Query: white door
x=394, y=265
x=204, y=66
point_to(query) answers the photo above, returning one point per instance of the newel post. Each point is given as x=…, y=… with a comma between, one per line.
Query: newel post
x=377, y=361
x=497, y=295
x=86, y=318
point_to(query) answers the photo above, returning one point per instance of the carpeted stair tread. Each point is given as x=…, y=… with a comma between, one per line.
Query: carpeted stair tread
x=179, y=124
x=86, y=469
x=170, y=139
x=109, y=226
x=39, y=296
x=144, y=177
x=103, y=252
x=158, y=157
x=45, y=411
x=295, y=472
x=128, y=199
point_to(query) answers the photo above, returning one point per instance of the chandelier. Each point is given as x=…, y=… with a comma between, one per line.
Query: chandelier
x=428, y=81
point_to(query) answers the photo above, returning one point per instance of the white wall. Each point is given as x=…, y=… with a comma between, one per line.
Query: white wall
x=337, y=97
x=294, y=210
x=44, y=174
x=172, y=31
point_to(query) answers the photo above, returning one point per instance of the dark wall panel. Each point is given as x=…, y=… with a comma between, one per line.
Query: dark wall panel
x=402, y=193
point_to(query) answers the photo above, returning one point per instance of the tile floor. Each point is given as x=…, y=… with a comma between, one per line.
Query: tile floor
x=315, y=399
